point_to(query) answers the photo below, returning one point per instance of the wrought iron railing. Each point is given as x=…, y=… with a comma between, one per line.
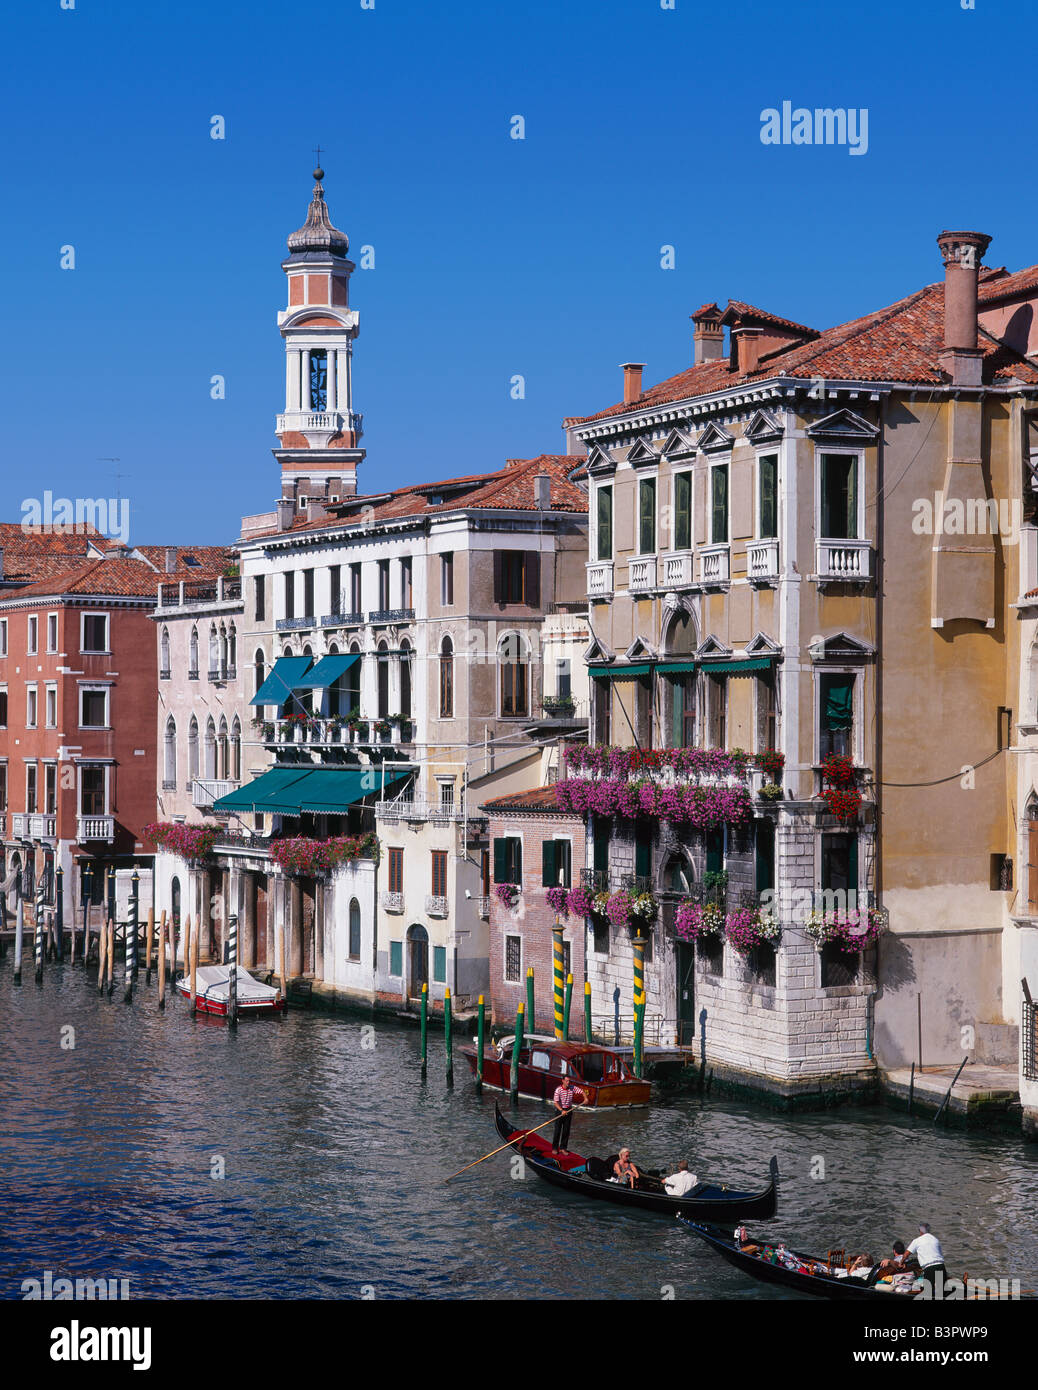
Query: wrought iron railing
x=391, y=615
x=1029, y=1037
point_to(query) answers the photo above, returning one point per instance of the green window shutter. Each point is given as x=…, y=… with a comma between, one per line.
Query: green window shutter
x=682, y=511
x=517, y=862
x=396, y=958
x=852, y=498
x=601, y=854
x=500, y=861
x=765, y=856
x=837, y=702
x=647, y=514
x=440, y=965
x=839, y=496
x=549, y=864
x=643, y=854
x=605, y=523
x=564, y=856
x=719, y=504
x=768, y=496
x=714, y=852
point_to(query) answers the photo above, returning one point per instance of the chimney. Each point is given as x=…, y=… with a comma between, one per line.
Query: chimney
x=286, y=511
x=542, y=492
x=708, y=336
x=171, y=558
x=1, y=562
x=748, y=343
x=632, y=381
x=962, y=253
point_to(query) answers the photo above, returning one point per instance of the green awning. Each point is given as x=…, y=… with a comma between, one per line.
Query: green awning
x=289, y=791
x=260, y=794
x=675, y=668
x=622, y=673
x=737, y=668
x=326, y=672
x=283, y=676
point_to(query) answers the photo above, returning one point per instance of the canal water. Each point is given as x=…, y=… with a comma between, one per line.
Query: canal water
x=305, y=1158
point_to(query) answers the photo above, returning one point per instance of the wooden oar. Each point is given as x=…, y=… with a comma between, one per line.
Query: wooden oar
x=503, y=1146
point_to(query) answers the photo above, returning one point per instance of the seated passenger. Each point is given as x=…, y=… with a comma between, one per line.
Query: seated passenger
x=624, y=1170
x=680, y=1182
x=785, y=1257
x=899, y=1263
x=861, y=1268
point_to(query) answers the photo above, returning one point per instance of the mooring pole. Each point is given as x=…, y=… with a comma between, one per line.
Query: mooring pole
x=911, y=1088
x=59, y=911
x=587, y=1011
x=194, y=966
x=447, y=1036
x=19, y=932
x=424, y=1015
x=558, y=982
x=232, y=961
x=567, y=1006
x=102, y=947
x=131, y=938
x=149, y=941
x=517, y=1044
x=38, y=932
x=162, y=962
x=530, y=1014
x=111, y=956
x=951, y=1088
x=481, y=1019
x=112, y=914
x=85, y=881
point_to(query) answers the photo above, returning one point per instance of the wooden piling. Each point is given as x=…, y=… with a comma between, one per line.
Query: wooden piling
x=513, y=1076
x=558, y=961
x=194, y=968
x=911, y=1089
x=148, y=942
x=283, y=962
x=424, y=1015
x=448, y=1036
x=481, y=1020
x=59, y=911
x=162, y=961
x=19, y=933
x=110, y=956
x=587, y=1011
x=567, y=1006
x=86, y=881
x=102, y=947
x=530, y=1015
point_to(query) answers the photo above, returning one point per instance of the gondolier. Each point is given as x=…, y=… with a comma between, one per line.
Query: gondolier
x=563, y=1099
x=927, y=1250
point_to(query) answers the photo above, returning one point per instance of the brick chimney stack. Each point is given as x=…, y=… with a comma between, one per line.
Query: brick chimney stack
x=632, y=381
x=171, y=559
x=748, y=343
x=962, y=253
x=286, y=510
x=542, y=491
x=708, y=335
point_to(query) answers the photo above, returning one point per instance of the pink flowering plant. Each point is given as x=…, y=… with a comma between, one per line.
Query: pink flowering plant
x=557, y=900
x=693, y=920
x=312, y=857
x=702, y=807
x=507, y=894
x=849, y=931
x=579, y=902
x=626, y=909
x=747, y=927
x=185, y=841
x=628, y=763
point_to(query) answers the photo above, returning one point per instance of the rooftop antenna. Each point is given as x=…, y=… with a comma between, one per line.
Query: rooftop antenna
x=317, y=153
x=118, y=474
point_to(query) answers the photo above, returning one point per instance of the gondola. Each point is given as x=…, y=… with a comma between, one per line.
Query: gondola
x=589, y=1176
x=818, y=1275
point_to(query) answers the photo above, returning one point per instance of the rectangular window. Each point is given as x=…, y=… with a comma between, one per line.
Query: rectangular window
x=513, y=960
x=396, y=959
x=604, y=548
x=446, y=796
x=602, y=696
x=92, y=791
x=839, y=510
x=259, y=592
x=52, y=632
x=836, y=715
x=717, y=711
x=643, y=851
x=406, y=590
x=484, y=872
x=508, y=860
x=563, y=680
x=354, y=930
x=766, y=711
x=556, y=864
x=334, y=587
x=51, y=707
x=440, y=965
x=513, y=688
x=647, y=516
x=447, y=579
x=643, y=711
x=683, y=705
x=384, y=601
x=510, y=576
x=31, y=707
x=308, y=593
x=767, y=496
x=95, y=632
x=50, y=788
x=719, y=504
x=290, y=594
x=32, y=645
x=3, y=786
x=3, y=636
x=355, y=590
x=396, y=870
x=30, y=787
x=3, y=709
x=600, y=945
x=840, y=868
x=93, y=709
x=765, y=856
x=439, y=873
x=682, y=511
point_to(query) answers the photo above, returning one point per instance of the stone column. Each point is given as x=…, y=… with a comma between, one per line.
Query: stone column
x=294, y=927
x=332, y=392
x=319, y=900
x=304, y=379
x=247, y=931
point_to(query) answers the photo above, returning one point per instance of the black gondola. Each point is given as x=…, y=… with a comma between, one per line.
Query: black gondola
x=818, y=1278
x=589, y=1176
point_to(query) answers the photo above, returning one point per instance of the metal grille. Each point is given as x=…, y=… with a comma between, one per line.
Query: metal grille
x=513, y=959
x=1030, y=1049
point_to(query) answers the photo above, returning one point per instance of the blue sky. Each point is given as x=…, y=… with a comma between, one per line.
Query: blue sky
x=493, y=256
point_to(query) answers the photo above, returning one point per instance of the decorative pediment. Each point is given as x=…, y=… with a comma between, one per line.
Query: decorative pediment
x=640, y=651
x=841, y=647
x=763, y=428
x=598, y=461
x=641, y=453
x=678, y=446
x=762, y=645
x=843, y=425
x=713, y=649
x=714, y=438
x=598, y=652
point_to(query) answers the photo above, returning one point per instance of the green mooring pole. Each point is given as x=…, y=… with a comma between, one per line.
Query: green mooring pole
x=481, y=1021
x=639, y=1039
x=447, y=1037
x=587, y=1011
x=530, y=1015
x=513, y=1079
x=425, y=1028
x=566, y=1007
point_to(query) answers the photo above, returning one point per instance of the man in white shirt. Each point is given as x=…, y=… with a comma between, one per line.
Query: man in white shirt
x=927, y=1250
x=680, y=1182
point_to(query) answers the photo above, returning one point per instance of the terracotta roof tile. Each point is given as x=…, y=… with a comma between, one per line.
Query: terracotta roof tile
x=737, y=309
x=539, y=799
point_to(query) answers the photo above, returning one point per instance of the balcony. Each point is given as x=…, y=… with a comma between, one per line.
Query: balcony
x=762, y=562
x=199, y=593
x=391, y=615
x=319, y=426
x=95, y=828
x=343, y=620
x=600, y=580
x=843, y=561
x=19, y=827
x=223, y=674
x=641, y=575
x=165, y=673
x=420, y=810
x=295, y=624
x=436, y=906
x=205, y=793
x=335, y=732
x=482, y=908
x=714, y=565
x=392, y=902
x=677, y=570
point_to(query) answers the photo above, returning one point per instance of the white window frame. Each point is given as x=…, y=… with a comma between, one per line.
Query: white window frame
x=50, y=692
x=32, y=703
x=593, y=555
x=32, y=634
x=560, y=839
x=857, y=734
x=644, y=476
x=675, y=470
x=93, y=687
x=41, y=790
x=776, y=454
x=446, y=555
x=106, y=768
x=107, y=649
x=52, y=618
x=725, y=462
x=3, y=636
x=858, y=454
x=504, y=957
x=526, y=659
x=5, y=691
x=32, y=763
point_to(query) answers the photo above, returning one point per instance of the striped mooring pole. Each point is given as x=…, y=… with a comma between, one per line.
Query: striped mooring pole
x=530, y=1015
x=232, y=961
x=19, y=932
x=517, y=1046
x=59, y=910
x=481, y=1025
x=568, y=1006
x=85, y=881
x=587, y=1011
x=131, y=942
x=558, y=982
x=111, y=894
x=39, y=932
x=447, y=1036
x=639, y=993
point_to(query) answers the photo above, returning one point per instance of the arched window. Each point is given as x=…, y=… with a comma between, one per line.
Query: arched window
x=192, y=655
x=514, y=659
x=232, y=652
x=260, y=664
x=383, y=680
x=223, y=761
x=214, y=650
x=354, y=929
x=235, y=770
x=164, y=666
x=446, y=679
x=169, y=772
x=210, y=749
x=405, y=678
x=192, y=749
x=351, y=682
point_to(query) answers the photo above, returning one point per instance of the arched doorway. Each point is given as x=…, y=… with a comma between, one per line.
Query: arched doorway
x=418, y=960
x=675, y=885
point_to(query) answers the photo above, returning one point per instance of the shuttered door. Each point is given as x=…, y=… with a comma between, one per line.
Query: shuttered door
x=1032, y=864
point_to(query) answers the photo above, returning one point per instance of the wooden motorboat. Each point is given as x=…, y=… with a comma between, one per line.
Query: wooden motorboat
x=214, y=990
x=827, y=1276
x=590, y=1177
x=599, y=1071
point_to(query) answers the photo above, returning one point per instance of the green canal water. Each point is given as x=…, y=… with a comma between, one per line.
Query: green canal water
x=305, y=1158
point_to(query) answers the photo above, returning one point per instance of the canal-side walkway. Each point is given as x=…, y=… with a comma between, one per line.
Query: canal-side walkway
x=984, y=1092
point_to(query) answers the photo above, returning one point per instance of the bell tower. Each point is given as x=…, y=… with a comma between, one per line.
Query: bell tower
x=319, y=431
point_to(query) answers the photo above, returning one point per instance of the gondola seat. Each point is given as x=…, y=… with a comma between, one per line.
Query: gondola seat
x=601, y=1169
